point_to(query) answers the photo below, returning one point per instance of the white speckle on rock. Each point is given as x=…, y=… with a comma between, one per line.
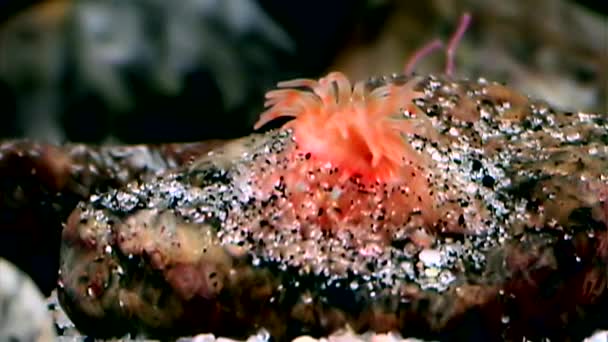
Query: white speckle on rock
x=430, y=257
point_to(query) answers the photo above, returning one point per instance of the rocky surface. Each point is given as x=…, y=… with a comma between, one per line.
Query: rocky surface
x=201, y=249
x=560, y=59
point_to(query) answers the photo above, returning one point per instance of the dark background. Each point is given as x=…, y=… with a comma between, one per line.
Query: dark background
x=52, y=89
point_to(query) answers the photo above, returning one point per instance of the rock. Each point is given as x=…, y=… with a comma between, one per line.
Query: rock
x=24, y=316
x=600, y=336
x=218, y=246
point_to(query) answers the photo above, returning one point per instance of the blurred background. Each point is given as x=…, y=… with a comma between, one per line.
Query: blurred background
x=149, y=71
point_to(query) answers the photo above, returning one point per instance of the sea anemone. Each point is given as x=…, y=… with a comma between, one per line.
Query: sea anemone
x=356, y=129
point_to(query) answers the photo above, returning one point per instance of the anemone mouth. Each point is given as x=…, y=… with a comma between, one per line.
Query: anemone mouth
x=352, y=126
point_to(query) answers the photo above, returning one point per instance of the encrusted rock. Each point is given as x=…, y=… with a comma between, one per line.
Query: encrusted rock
x=223, y=246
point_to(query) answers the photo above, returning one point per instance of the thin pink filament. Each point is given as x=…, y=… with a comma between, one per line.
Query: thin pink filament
x=427, y=49
x=465, y=21
x=421, y=53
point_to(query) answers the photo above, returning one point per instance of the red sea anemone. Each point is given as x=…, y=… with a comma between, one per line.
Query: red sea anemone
x=359, y=169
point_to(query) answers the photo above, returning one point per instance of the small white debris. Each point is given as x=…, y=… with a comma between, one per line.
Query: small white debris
x=430, y=257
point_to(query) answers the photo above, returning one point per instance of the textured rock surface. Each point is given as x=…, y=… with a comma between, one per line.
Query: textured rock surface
x=200, y=249
x=23, y=312
x=42, y=183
